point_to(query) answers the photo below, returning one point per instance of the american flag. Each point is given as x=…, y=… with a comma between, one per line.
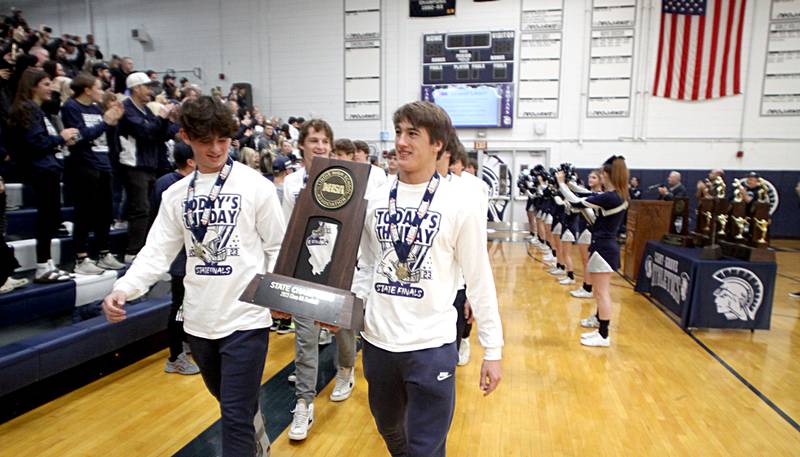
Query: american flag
x=700, y=49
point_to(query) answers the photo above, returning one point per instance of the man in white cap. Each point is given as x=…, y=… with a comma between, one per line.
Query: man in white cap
x=142, y=137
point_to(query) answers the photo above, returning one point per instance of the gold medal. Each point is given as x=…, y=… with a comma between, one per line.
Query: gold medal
x=402, y=271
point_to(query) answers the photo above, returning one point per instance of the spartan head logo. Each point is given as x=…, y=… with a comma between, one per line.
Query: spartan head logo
x=685, y=280
x=739, y=294
x=648, y=266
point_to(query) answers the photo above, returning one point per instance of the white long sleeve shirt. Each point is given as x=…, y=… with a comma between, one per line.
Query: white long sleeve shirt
x=245, y=230
x=418, y=313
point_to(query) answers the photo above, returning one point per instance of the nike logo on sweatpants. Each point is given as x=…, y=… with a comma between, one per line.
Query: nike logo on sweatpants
x=443, y=375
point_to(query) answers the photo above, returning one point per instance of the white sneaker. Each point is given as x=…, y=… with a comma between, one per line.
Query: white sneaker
x=109, y=262
x=590, y=322
x=581, y=293
x=325, y=337
x=12, y=284
x=181, y=365
x=555, y=271
x=596, y=341
x=129, y=258
x=345, y=381
x=88, y=267
x=548, y=257
x=292, y=378
x=120, y=225
x=463, y=352
x=567, y=281
x=302, y=422
x=589, y=334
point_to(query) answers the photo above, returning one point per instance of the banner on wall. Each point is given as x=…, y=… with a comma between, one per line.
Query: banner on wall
x=432, y=8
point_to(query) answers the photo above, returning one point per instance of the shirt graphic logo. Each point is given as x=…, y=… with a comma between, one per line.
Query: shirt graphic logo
x=739, y=294
x=443, y=375
x=218, y=244
x=401, y=278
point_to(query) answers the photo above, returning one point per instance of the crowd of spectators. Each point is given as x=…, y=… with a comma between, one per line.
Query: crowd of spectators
x=92, y=131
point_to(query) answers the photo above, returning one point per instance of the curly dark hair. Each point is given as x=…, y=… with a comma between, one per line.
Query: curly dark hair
x=206, y=117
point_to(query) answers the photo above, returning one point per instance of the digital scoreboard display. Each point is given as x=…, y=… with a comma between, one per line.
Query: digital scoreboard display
x=471, y=76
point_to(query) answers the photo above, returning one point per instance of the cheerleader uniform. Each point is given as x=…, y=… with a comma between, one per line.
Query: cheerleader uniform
x=572, y=216
x=604, y=249
x=558, y=215
x=587, y=215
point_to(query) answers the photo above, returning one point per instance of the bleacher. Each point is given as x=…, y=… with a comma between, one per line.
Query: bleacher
x=47, y=329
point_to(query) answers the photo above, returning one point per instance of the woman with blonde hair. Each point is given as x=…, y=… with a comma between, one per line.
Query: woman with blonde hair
x=585, y=223
x=604, y=251
x=250, y=157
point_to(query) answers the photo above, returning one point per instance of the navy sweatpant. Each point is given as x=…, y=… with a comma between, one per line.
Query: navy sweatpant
x=412, y=397
x=232, y=369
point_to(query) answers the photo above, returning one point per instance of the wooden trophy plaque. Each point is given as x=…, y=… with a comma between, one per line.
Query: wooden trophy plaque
x=315, y=267
x=679, y=224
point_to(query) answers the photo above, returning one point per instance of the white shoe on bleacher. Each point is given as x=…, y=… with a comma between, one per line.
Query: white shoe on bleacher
x=48, y=273
x=12, y=283
x=109, y=262
x=120, y=225
x=129, y=258
x=88, y=267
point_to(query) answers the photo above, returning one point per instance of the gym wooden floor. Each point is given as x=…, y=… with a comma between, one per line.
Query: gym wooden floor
x=655, y=392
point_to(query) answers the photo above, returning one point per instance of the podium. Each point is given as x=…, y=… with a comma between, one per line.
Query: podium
x=647, y=220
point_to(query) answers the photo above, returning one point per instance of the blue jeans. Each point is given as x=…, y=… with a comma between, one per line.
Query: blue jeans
x=412, y=397
x=232, y=369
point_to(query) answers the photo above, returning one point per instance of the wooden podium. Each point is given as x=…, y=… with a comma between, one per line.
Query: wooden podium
x=647, y=220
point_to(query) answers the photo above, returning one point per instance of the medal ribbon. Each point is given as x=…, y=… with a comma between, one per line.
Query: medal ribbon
x=403, y=247
x=199, y=230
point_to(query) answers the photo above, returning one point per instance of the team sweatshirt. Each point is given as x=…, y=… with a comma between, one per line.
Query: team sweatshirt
x=245, y=230
x=417, y=313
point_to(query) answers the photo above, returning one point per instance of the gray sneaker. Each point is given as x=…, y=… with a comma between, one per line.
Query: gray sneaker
x=181, y=365
x=109, y=262
x=88, y=267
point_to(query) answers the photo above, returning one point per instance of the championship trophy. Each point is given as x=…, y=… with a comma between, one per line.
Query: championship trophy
x=679, y=224
x=705, y=216
x=712, y=250
x=315, y=267
x=748, y=230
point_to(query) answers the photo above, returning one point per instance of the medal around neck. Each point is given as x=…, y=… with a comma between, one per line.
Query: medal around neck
x=315, y=267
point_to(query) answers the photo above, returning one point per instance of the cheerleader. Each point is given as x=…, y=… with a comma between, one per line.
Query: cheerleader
x=569, y=231
x=585, y=223
x=604, y=250
x=557, y=228
x=547, y=220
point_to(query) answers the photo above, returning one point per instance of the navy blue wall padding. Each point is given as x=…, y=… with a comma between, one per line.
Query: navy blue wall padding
x=36, y=301
x=19, y=366
x=22, y=222
x=38, y=357
x=785, y=221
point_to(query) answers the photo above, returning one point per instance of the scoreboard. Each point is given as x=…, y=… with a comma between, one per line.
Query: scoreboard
x=472, y=74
